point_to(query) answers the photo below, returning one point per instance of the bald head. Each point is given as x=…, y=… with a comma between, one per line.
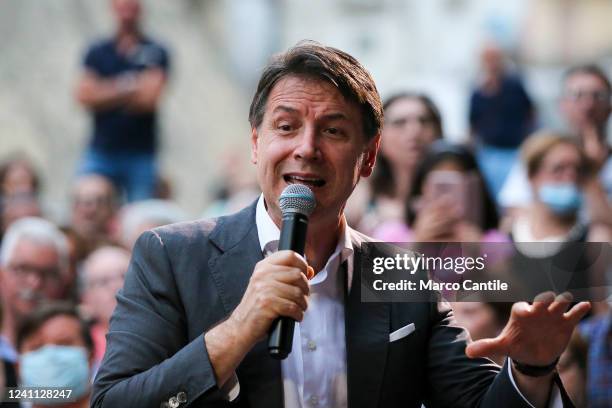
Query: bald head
x=93, y=183
x=492, y=59
x=127, y=13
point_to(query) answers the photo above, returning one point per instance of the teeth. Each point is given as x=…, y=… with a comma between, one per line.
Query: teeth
x=303, y=178
x=309, y=180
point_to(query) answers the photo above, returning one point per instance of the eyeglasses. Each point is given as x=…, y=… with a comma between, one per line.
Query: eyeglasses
x=582, y=94
x=106, y=281
x=400, y=122
x=558, y=169
x=23, y=271
x=97, y=201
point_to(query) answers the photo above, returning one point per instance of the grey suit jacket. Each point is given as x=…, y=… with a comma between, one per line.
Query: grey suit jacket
x=185, y=278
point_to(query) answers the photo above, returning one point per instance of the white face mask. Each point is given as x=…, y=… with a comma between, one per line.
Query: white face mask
x=561, y=198
x=56, y=366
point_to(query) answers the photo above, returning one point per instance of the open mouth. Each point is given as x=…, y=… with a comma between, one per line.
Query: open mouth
x=307, y=181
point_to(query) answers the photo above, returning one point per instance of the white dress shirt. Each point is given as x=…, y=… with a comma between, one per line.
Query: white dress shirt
x=314, y=373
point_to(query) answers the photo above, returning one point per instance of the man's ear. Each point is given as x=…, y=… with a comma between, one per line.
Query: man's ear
x=369, y=156
x=254, y=139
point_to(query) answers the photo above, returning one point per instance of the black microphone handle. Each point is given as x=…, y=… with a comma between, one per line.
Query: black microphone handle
x=293, y=237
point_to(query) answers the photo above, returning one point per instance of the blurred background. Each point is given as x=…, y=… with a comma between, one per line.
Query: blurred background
x=219, y=47
x=117, y=116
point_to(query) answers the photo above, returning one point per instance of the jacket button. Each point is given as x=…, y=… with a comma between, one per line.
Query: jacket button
x=181, y=397
x=173, y=402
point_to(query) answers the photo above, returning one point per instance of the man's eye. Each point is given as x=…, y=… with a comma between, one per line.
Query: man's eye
x=398, y=123
x=333, y=131
x=284, y=128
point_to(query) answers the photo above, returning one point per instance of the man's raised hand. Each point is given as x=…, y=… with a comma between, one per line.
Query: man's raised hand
x=535, y=334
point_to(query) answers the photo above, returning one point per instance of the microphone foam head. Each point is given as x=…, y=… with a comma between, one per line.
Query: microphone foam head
x=297, y=198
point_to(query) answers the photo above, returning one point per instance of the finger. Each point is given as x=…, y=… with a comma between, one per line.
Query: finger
x=440, y=226
x=521, y=309
x=293, y=277
x=561, y=303
x=291, y=293
x=263, y=277
x=310, y=273
x=542, y=301
x=577, y=312
x=288, y=258
x=485, y=348
x=265, y=272
x=282, y=273
x=445, y=201
x=299, y=283
x=270, y=268
x=290, y=309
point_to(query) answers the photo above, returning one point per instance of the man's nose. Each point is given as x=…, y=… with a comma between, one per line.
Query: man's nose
x=34, y=281
x=569, y=175
x=587, y=102
x=308, y=145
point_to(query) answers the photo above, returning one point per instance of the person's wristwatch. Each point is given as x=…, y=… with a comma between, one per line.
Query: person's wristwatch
x=533, y=370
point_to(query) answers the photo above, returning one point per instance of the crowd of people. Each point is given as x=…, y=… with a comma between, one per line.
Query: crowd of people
x=515, y=180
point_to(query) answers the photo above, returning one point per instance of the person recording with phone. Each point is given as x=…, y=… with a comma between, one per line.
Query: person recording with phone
x=449, y=201
x=192, y=320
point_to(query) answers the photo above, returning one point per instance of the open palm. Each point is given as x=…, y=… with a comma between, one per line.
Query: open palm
x=535, y=334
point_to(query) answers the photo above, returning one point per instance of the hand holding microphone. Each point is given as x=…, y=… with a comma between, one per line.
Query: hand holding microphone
x=277, y=294
x=297, y=203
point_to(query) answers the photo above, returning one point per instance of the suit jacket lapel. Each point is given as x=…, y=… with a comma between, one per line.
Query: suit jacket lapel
x=236, y=236
x=367, y=341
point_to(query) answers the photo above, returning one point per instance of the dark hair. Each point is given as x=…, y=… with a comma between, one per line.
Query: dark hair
x=431, y=107
x=19, y=159
x=35, y=320
x=437, y=153
x=311, y=59
x=383, y=180
x=589, y=69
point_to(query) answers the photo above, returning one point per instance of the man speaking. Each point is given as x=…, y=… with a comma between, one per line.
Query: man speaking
x=191, y=323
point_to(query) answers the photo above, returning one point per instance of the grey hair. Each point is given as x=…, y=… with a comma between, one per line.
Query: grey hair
x=39, y=231
x=155, y=212
x=98, y=254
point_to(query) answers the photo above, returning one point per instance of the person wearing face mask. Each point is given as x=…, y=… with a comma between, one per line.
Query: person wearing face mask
x=448, y=201
x=585, y=108
x=56, y=350
x=34, y=268
x=557, y=169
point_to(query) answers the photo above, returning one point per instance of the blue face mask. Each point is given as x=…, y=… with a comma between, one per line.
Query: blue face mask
x=561, y=198
x=56, y=366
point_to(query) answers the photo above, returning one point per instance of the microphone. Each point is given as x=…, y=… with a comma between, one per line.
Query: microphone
x=296, y=203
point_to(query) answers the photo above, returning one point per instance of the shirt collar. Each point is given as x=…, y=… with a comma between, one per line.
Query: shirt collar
x=269, y=235
x=267, y=231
